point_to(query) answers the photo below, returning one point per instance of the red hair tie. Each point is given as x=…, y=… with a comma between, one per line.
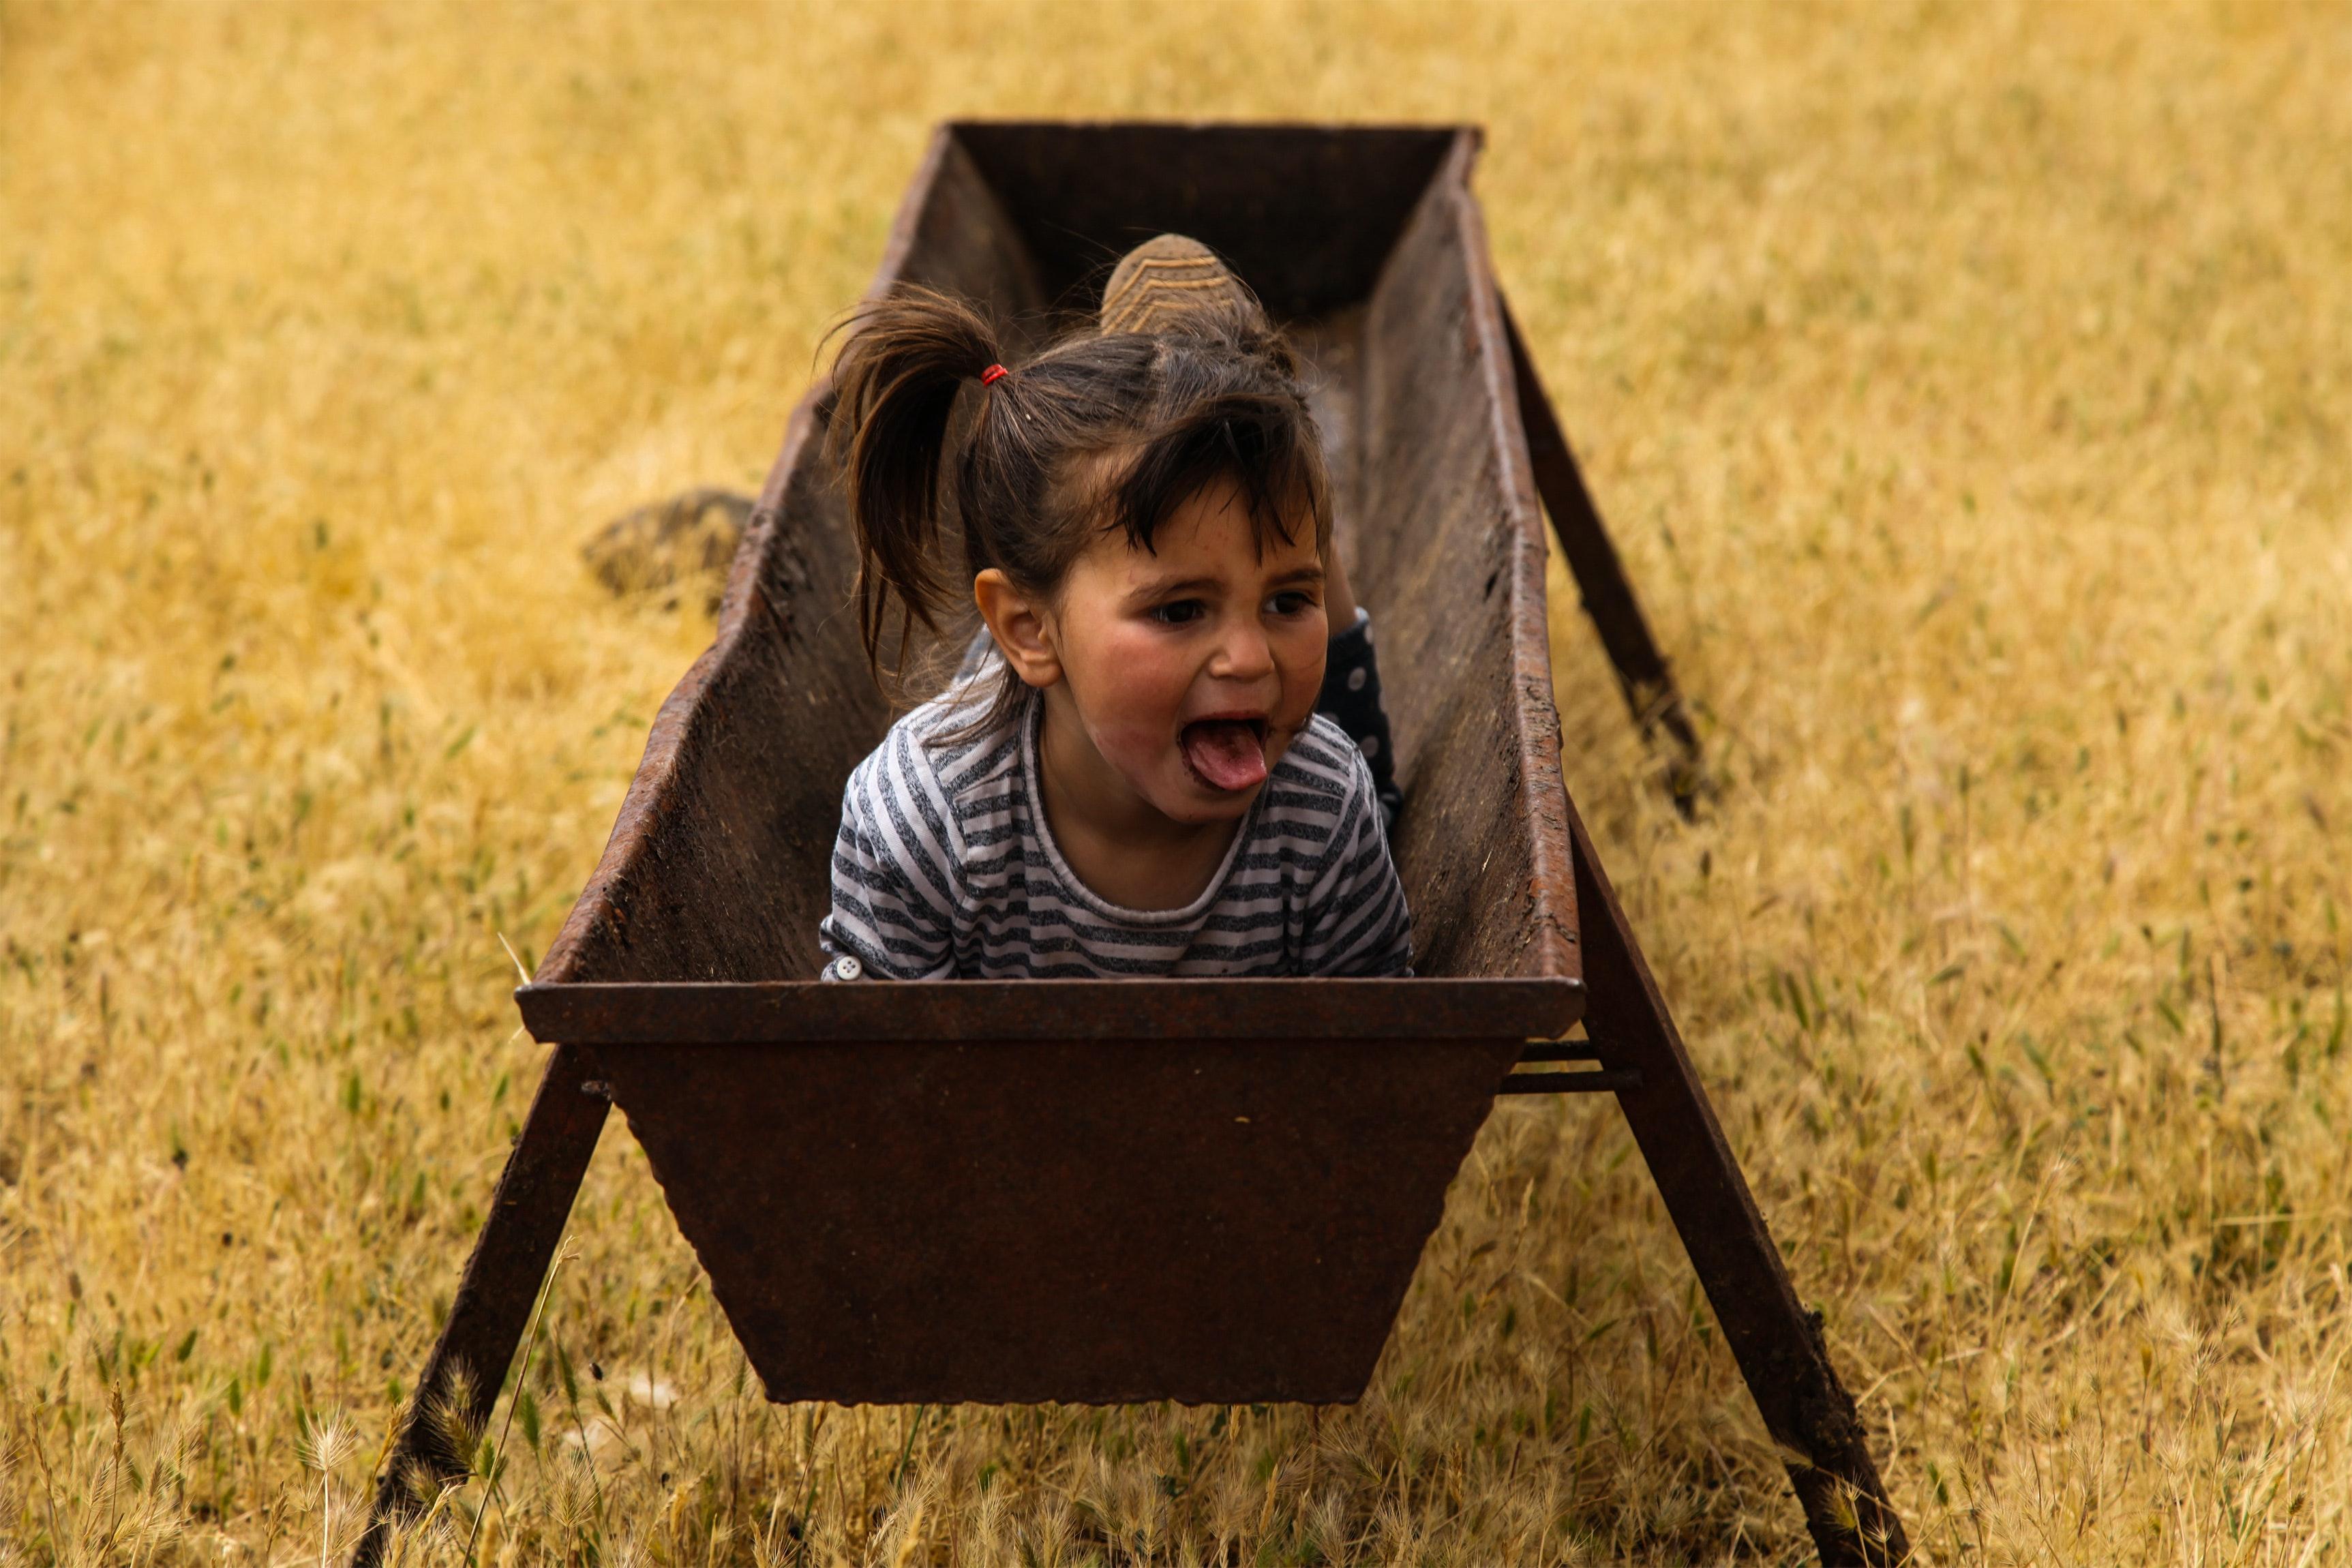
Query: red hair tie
x=994, y=374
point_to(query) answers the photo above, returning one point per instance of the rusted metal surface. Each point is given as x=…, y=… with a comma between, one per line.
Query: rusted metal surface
x=1308, y=214
x=1215, y=1219
x=585, y=1013
x=1450, y=555
x=1643, y=673
x=1082, y=1191
x=1144, y=1189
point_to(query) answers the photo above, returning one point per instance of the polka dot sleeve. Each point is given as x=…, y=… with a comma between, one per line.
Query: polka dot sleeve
x=1351, y=696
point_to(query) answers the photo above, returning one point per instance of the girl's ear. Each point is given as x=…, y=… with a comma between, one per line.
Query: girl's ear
x=1023, y=633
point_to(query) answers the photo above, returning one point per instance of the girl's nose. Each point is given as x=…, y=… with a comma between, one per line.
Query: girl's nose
x=1242, y=653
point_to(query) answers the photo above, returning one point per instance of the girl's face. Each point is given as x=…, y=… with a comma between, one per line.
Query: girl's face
x=1189, y=668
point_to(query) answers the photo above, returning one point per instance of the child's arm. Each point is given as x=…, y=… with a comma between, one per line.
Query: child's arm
x=893, y=914
x=1351, y=696
x=1356, y=921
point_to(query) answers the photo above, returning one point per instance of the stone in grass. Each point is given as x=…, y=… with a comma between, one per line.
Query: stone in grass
x=670, y=545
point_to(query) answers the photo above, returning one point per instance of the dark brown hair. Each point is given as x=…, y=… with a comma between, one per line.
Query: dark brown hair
x=1098, y=434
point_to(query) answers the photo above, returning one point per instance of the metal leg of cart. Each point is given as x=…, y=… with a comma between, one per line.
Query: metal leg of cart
x=1777, y=1342
x=492, y=1312
x=1642, y=670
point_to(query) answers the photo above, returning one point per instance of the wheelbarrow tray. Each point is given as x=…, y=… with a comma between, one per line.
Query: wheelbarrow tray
x=1007, y=1191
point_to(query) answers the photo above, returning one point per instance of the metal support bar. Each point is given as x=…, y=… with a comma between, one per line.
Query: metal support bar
x=491, y=1310
x=1777, y=1342
x=1642, y=670
x=1569, y=1051
x=1611, y=1081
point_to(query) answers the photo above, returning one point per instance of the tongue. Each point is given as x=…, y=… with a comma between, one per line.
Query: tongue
x=1225, y=753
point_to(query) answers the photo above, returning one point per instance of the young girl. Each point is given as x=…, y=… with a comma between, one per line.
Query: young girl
x=1130, y=778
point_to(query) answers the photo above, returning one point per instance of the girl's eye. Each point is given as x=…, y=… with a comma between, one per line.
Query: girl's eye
x=1178, y=613
x=1290, y=604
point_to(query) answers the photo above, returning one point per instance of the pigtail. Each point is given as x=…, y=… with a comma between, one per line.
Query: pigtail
x=895, y=383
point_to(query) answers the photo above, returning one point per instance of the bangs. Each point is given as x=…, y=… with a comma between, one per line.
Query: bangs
x=1262, y=446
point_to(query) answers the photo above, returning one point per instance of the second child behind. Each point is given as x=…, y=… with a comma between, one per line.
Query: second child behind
x=1132, y=779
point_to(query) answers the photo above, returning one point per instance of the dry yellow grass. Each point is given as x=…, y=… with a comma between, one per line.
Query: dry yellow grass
x=1969, y=387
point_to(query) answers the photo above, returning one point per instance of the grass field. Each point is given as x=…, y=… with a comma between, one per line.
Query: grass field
x=1969, y=390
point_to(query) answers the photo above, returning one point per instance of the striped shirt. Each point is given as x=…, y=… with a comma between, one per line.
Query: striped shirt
x=945, y=868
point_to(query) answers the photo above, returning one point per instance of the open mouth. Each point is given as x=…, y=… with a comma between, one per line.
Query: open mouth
x=1227, y=754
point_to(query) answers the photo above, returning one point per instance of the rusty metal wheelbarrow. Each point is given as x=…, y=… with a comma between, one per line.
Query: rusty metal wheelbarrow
x=1198, y=1190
